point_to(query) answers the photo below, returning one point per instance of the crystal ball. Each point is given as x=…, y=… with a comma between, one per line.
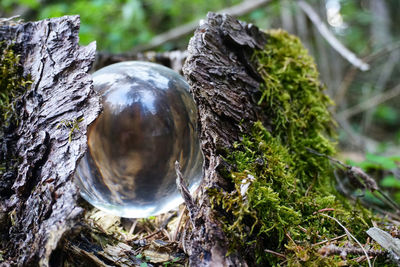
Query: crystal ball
x=147, y=123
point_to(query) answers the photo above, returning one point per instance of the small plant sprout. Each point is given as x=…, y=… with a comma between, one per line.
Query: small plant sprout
x=73, y=125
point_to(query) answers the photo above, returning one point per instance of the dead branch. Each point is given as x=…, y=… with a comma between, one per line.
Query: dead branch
x=330, y=38
x=351, y=73
x=382, y=81
x=370, y=103
x=332, y=249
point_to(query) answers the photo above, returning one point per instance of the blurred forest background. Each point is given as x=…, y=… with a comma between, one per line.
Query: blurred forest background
x=367, y=102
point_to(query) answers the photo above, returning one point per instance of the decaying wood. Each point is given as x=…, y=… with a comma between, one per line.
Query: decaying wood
x=43, y=204
x=225, y=84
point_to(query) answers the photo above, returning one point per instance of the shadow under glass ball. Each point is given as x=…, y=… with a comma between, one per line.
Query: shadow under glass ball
x=148, y=122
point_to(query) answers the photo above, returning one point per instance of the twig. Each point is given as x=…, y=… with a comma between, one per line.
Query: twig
x=133, y=226
x=370, y=103
x=173, y=59
x=328, y=240
x=175, y=235
x=175, y=33
x=332, y=249
x=152, y=234
x=166, y=221
x=351, y=73
x=165, y=232
x=384, y=50
x=330, y=38
x=275, y=253
x=187, y=197
x=350, y=235
x=358, y=140
x=183, y=243
x=357, y=175
x=11, y=21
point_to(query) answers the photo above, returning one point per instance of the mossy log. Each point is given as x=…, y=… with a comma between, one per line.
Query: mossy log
x=261, y=110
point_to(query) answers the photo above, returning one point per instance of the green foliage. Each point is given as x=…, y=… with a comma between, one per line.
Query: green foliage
x=378, y=162
x=387, y=114
x=281, y=188
x=121, y=25
x=390, y=182
x=172, y=262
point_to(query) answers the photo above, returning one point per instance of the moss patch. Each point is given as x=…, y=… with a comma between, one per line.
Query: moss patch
x=12, y=86
x=280, y=188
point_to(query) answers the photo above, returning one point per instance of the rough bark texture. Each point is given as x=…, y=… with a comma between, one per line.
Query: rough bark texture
x=43, y=204
x=225, y=84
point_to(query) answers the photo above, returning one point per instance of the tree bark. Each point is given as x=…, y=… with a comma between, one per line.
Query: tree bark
x=43, y=205
x=224, y=82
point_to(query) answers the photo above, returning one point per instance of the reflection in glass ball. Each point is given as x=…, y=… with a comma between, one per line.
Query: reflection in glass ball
x=148, y=122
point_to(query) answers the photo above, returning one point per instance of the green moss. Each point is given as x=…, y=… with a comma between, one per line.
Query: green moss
x=280, y=187
x=12, y=86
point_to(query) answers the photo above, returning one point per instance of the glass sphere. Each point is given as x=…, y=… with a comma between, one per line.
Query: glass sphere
x=148, y=122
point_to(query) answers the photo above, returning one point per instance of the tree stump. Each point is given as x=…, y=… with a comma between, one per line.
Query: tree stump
x=43, y=204
x=224, y=82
